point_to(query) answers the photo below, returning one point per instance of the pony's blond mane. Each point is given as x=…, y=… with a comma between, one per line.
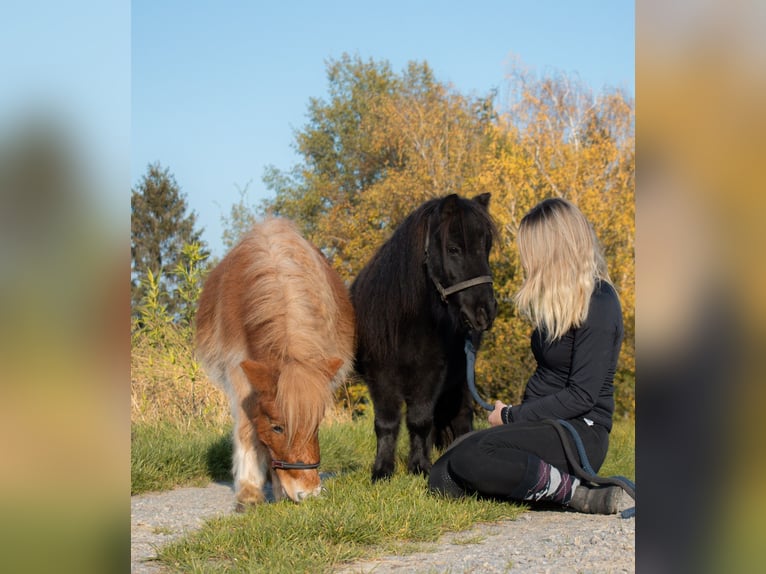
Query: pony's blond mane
x=290, y=306
x=278, y=301
x=303, y=397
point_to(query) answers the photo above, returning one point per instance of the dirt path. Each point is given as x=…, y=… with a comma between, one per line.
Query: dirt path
x=538, y=542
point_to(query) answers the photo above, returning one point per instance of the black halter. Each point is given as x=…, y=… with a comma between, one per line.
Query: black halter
x=462, y=285
x=281, y=464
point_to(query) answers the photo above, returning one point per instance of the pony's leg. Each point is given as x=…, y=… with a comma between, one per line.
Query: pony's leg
x=420, y=420
x=462, y=423
x=250, y=461
x=453, y=418
x=250, y=458
x=453, y=414
x=276, y=485
x=388, y=416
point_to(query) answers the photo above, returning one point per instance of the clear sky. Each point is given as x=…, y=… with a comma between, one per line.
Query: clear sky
x=219, y=88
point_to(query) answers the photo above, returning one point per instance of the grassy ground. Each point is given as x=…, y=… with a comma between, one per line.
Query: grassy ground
x=165, y=455
x=353, y=519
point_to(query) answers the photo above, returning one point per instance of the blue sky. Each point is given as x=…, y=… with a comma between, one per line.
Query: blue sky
x=219, y=88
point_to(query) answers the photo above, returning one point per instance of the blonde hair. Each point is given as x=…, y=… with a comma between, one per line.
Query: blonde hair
x=562, y=261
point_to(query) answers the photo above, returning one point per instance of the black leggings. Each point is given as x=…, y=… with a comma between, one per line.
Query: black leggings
x=503, y=461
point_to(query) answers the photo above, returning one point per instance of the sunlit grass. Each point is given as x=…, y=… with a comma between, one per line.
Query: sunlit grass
x=354, y=518
x=621, y=457
x=164, y=455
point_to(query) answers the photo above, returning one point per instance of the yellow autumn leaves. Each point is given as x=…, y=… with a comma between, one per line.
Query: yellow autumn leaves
x=386, y=142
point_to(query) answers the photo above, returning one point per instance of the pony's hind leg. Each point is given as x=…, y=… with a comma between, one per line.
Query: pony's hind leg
x=388, y=416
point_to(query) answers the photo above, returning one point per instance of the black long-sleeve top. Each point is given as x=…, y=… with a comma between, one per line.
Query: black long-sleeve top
x=575, y=374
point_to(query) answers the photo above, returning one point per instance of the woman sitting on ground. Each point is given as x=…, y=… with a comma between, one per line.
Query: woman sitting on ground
x=567, y=295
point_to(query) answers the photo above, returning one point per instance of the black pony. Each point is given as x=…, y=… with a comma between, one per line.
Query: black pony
x=421, y=295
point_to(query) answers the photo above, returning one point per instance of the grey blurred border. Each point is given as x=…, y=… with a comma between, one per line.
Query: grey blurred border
x=64, y=299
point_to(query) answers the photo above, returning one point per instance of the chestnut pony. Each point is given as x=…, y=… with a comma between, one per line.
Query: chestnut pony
x=275, y=330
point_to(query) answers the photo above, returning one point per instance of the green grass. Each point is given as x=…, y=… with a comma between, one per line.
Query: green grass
x=621, y=456
x=165, y=455
x=354, y=519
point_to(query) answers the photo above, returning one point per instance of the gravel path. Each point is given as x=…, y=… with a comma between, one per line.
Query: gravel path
x=538, y=542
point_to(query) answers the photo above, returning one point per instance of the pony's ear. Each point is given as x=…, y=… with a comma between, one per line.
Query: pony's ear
x=449, y=205
x=483, y=200
x=259, y=375
x=331, y=366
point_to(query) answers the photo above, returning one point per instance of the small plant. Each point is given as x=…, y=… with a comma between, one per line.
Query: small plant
x=167, y=381
x=154, y=320
x=189, y=273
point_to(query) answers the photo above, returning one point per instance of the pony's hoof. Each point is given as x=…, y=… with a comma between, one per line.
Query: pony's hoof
x=381, y=474
x=421, y=468
x=248, y=496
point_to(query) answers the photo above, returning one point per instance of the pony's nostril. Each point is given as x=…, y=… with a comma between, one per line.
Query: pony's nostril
x=478, y=321
x=482, y=319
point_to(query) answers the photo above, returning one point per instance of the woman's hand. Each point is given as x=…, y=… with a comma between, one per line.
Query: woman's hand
x=494, y=417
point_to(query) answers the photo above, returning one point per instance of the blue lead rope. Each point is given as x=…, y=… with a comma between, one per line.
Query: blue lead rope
x=584, y=470
x=590, y=474
x=470, y=363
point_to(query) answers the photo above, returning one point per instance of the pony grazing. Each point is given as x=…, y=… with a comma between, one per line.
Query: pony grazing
x=422, y=294
x=275, y=330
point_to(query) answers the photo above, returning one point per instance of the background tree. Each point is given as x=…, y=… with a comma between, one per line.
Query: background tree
x=381, y=144
x=556, y=138
x=242, y=215
x=160, y=227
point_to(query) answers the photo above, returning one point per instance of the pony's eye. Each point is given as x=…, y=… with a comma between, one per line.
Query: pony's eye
x=453, y=250
x=277, y=429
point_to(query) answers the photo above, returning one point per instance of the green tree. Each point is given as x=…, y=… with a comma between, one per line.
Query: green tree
x=160, y=226
x=341, y=156
x=380, y=145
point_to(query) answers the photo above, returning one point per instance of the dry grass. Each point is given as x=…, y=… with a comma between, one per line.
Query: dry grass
x=168, y=384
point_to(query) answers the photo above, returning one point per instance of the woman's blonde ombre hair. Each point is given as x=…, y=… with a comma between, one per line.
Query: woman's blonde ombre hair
x=562, y=260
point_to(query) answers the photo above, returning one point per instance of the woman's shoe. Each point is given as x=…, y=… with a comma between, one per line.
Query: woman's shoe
x=596, y=499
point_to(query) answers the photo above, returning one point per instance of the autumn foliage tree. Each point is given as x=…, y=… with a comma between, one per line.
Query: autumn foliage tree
x=557, y=139
x=382, y=143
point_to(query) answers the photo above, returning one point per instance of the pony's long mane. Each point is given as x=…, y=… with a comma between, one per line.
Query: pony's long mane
x=288, y=306
x=303, y=396
x=393, y=286
x=277, y=301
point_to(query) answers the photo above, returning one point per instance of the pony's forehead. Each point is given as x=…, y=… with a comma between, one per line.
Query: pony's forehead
x=471, y=221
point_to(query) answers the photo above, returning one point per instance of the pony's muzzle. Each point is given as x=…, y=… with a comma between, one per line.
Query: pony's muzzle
x=476, y=321
x=301, y=495
x=298, y=491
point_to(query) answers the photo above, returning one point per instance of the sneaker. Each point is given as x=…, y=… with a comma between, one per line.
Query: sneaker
x=596, y=499
x=440, y=481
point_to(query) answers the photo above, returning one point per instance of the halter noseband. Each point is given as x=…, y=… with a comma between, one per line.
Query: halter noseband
x=462, y=285
x=281, y=464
